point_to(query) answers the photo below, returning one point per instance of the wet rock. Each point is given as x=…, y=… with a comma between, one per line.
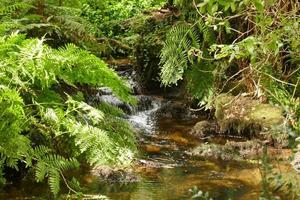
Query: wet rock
x=245, y=116
x=175, y=109
x=152, y=148
x=212, y=151
x=153, y=164
x=230, y=151
x=132, y=78
x=109, y=174
x=121, y=64
x=296, y=161
x=144, y=103
x=240, y=151
x=204, y=128
x=177, y=138
x=116, y=102
x=248, y=150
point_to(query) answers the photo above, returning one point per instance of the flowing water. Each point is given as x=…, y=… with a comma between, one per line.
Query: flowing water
x=171, y=174
x=165, y=171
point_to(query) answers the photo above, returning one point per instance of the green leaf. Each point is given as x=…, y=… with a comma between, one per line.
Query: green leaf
x=54, y=181
x=233, y=7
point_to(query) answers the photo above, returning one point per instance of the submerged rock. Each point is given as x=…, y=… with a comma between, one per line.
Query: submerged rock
x=250, y=176
x=175, y=109
x=153, y=164
x=248, y=117
x=203, y=129
x=112, y=175
x=152, y=148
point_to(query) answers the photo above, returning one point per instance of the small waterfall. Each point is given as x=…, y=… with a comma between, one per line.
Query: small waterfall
x=143, y=116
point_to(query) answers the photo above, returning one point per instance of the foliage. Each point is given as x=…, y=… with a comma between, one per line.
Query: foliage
x=277, y=181
x=85, y=23
x=254, y=43
x=57, y=19
x=183, y=48
x=44, y=125
x=108, y=15
x=264, y=48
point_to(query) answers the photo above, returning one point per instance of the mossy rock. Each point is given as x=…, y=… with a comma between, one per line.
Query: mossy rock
x=203, y=129
x=237, y=151
x=247, y=117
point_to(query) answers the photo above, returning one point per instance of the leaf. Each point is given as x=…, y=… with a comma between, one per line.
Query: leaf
x=233, y=7
x=259, y=4
x=214, y=8
x=40, y=172
x=54, y=181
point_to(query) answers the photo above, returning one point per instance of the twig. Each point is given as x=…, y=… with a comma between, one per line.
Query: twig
x=276, y=79
x=66, y=183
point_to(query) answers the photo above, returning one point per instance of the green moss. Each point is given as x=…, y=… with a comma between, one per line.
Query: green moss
x=245, y=116
x=238, y=151
x=266, y=115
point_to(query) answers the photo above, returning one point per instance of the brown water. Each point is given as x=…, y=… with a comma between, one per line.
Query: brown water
x=172, y=178
x=179, y=173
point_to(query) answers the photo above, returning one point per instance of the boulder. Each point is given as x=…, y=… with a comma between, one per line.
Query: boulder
x=247, y=117
x=238, y=151
x=203, y=129
x=112, y=175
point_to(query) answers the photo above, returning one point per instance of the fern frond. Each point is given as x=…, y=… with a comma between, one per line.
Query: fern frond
x=79, y=66
x=41, y=170
x=174, y=54
x=109, y=109
x=52, y=166
x=201, y=83
x=29, y=73
x=54, y=181
x=9, y=9
x=181, y=56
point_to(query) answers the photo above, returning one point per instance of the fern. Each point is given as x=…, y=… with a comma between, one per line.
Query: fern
x=182, y=56
x=174, y=55
x=8, y=9
x=12, y=145
x=30, y=72
x=84, y=68
x=52, y=166
x=202, y=83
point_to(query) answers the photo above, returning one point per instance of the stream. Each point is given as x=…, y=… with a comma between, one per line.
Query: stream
x=168, y=173
x=164, y=170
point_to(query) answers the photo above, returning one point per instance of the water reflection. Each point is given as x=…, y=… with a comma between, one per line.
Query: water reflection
x=166, y=172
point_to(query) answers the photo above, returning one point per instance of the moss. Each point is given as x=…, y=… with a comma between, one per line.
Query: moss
x=204, y=128
x=266, y=115
x=238, y=151
x=247, y=117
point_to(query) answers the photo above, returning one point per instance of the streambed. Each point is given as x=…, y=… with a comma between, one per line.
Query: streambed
x=165, y=171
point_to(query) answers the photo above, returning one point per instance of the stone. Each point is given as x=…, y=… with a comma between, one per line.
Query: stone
x=203, y=129
x=245, y=116
x=152, y=148
x=113, y=175
x=232, y=150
